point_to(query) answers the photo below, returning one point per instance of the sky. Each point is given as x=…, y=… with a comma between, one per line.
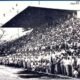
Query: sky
x=8, y=9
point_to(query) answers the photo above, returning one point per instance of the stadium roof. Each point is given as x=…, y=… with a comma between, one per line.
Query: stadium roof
x=36, y=16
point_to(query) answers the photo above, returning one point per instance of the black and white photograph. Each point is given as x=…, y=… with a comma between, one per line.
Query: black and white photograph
x=40, y=40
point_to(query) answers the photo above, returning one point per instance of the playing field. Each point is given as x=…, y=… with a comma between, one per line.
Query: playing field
x=10, y=73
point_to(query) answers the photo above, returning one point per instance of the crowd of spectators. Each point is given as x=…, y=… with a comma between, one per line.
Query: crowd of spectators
x=51, y=49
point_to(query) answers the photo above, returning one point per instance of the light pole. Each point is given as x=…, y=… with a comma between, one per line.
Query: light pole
x=39, y=2
x=2, y=33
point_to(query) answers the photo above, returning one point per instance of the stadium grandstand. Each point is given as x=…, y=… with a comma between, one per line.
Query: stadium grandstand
x=52, y=46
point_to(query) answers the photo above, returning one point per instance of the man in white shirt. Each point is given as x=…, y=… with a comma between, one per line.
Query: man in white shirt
x=53, y=62
x=78, y=65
